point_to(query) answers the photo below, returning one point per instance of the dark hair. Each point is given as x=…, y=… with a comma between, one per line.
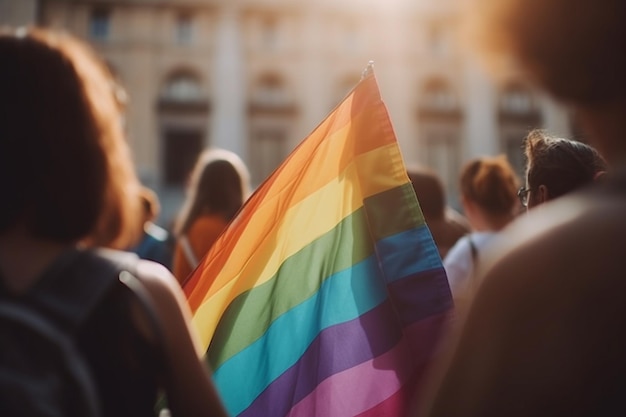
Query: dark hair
x=219, y=185
x=429, y=191
x=562, y=165
x=491, y=183
x=65, y=170
x=571, y=48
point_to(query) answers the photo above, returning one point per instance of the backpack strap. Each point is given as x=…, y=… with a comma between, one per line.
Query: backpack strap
x=76, y=283
x=191, y=257
x=474, y=252
x=65, y=297
x=473, y=249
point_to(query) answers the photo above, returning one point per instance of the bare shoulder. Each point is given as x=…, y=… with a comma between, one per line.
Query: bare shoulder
x=156, y=277
x=187, y=380
x=165, y=290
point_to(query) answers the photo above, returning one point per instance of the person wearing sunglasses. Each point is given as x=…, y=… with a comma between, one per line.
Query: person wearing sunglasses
x=545, y=333
x=556, y=166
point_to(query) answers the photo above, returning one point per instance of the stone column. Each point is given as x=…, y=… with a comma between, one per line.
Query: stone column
x=228, y=124
x=312, y=78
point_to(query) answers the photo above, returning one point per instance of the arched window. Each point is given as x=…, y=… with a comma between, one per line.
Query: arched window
x=438, y=40
x=184, y=29
x=183, y=110
x=183, y=87
x=518, y=113
x=515, y=100
x=437, y=96
x=270, y=92
x=270, y=35
x=271, y=112
x=440, y=132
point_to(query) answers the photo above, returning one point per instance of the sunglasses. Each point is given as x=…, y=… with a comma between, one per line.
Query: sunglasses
x=523, y=194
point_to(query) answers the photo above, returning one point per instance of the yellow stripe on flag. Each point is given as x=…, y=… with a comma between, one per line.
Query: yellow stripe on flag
x=315, y=211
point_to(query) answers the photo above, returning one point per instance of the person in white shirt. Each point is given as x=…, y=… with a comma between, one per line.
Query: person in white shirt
x=489, y=197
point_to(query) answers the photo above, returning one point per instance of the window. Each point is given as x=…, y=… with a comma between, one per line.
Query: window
x=184, y=29
x=271, y=112
x=513, y=148
x=268, y=145
x=438, y=97
x=180, y=150
x=438, y=40
x=518, y=113
x=269, y=33
x=270, y=92
x=441, y=121
x=182, y=88
x=100, y=24
x=441, y=151
x=516, y=101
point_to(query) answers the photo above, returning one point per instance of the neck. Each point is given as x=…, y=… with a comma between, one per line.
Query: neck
x=482, y=222
x=23, y=259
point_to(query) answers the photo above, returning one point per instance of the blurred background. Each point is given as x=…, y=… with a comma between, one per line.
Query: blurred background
x=256, y=76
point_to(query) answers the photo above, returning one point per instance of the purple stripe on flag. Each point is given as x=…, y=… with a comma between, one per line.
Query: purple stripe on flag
x=337, y=396
x=424, y=338
x=335, y=349
x=424, y=335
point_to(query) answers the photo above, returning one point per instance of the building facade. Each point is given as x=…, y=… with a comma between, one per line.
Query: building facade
x=256, y=76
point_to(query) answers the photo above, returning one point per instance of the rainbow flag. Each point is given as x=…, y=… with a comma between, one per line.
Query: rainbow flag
x=326, y=295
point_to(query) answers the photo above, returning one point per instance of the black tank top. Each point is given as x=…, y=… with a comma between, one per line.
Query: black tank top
x=125, y=365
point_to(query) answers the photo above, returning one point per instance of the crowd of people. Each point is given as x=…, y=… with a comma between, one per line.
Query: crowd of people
x=218, y=186
x=542, y=328
x=544, y=332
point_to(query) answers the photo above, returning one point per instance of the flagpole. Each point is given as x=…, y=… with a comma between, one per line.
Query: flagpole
x=369, y=70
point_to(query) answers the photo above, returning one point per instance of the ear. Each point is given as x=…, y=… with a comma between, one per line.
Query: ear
x=542, y=194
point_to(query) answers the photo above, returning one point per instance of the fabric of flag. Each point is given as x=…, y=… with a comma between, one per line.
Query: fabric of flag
x=326, y=295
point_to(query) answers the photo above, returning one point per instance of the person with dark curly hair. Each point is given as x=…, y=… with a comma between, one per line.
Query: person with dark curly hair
x=556, y=166
x=545, y=334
